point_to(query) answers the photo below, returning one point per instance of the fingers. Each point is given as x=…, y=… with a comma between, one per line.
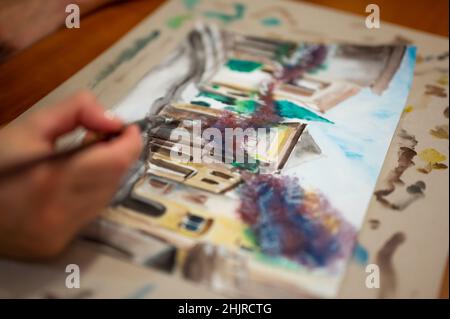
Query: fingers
x=110, y=160
x=81, y=109
x=121, y=151
x=92, y=177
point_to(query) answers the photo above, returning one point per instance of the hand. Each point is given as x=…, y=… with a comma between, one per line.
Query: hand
x=43, y=208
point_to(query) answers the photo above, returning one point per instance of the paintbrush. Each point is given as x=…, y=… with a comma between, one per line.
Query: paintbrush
x=144, y=125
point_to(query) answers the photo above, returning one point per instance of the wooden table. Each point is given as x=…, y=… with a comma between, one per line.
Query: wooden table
x=36, y=71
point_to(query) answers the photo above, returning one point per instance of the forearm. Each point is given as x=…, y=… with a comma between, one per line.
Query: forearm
x=22, y=22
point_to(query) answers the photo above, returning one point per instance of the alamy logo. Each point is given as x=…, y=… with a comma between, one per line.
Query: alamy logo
x=73, y=277
x=373, y=19
x=73, y=17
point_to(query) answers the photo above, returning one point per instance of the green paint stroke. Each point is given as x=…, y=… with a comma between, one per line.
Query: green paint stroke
x=277, y=261
x=218, y=97
x=239, y=11
x=360, y=254
x=201, y=103
x=291, y=110
x=243, y=65
x=271, y=22
x=190, y=4
x=126, y=55
x=246, y=106
x=283, y=51
x=251, y=236
x=177, y=21
x=317, y=69
x=251, y=167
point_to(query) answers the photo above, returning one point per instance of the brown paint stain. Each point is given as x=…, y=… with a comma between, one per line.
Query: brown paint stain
x=431, y=89
x=416, y=188
x=374, y=224
x=439, y=166
x=440, y=131
x=388, y=276
x=406, y=153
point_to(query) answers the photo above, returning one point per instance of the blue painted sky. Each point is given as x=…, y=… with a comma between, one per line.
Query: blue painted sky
x=355, y=146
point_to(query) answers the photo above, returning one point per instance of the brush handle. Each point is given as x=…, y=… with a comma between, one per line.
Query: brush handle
x=143, y=124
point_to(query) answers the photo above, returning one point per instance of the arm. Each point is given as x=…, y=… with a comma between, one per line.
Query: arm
x=22, y=22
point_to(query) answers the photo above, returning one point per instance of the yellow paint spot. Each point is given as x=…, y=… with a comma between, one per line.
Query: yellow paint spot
x=408, y=109
x=443, y=80
x=419, y=59
x=431, y=156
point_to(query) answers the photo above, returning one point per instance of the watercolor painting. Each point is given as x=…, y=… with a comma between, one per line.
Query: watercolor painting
x=285, y=224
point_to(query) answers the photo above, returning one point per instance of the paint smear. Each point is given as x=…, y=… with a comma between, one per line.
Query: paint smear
x=248, y=166
x=243, y=65
x=245, y=107
x=177, y=21
x=190, y=4
x=440, y=131
x=201, y=103
x=360, y=254
x=264, y=116
x=416, y=188
x=239, y=11
x=443, y=80
x=433, y=159
x=126, y=55
x=291, y=110
x=434, y=90
x=408, y=109
x=271, y=22
x=374, y=224
x=388, y=277
x=290, y=221
x=413, y=193
x=218, y=97
x=406, y=153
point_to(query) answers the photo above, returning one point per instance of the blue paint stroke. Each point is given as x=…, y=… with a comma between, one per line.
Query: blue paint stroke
x=239, y=11
x=190, y=4
x=360, y=254
x=287, y=221
x=382, y=114
x=364, y=124
x=271, y=22
x=353, y=155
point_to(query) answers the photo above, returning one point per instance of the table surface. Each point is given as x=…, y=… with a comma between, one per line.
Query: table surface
x=36, y=71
